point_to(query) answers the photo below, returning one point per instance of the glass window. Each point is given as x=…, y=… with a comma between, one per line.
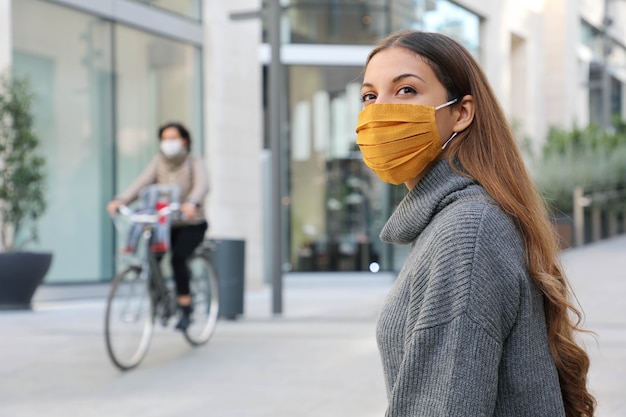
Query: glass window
x=440, y=16
x=595, y=92
x=617, y=69
x=188, y=8
x=336, y=22
x=616, y=61
x=333, y=21
x=97, y=123
x=616, y=97
x=367, y=21
x=157, y=81
x=590, y=37
x=337, y=205
x=67, y=57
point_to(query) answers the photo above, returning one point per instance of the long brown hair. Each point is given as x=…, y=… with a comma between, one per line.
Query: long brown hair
x=487, y=151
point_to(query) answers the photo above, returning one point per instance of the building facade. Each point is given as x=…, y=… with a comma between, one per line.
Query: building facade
x=106, y=73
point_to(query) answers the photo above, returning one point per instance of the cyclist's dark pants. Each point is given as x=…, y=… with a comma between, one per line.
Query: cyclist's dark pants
x=184, y=239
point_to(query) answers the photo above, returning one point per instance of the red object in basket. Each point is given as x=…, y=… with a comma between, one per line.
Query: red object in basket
x=161, y=244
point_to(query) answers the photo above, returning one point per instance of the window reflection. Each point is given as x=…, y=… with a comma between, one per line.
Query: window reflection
x=336, y=207
x=89, y=124
x=444, y=17
x=157, y=81
x=67, y=57
x=367, y=21
x=188, y=8
x=336, y=22
x=591, y=37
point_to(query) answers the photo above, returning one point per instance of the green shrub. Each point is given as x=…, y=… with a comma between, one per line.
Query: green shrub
x=22, y=179
x=591, y=158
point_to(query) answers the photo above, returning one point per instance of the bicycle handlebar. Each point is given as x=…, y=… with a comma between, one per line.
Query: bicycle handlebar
x=147, y=218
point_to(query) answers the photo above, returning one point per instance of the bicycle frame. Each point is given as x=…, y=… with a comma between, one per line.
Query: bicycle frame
x=162, y=297
x=141, y=292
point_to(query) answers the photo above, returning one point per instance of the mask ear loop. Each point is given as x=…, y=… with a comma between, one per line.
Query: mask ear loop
x=441, y=106
x=448, y=141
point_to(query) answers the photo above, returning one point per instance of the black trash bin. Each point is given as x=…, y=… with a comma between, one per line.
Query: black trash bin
x=229, y=260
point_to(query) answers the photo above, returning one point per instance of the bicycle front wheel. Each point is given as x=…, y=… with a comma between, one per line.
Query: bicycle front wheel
x=205, y=298
x=129, y=318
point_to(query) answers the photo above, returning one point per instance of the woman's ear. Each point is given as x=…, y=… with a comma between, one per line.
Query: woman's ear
x=465, y=113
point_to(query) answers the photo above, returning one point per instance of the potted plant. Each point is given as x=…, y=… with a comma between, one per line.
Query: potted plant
x=22, y=199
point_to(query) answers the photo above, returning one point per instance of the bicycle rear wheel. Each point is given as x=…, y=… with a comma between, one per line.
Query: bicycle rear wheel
x=129, y=318
x=205, y=298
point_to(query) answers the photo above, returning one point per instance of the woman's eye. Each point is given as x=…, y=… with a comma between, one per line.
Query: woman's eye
x=406, y=90
x=367, y=97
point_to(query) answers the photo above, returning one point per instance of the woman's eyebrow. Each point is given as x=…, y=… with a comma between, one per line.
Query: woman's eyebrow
x=407, y=75
x=397, y=78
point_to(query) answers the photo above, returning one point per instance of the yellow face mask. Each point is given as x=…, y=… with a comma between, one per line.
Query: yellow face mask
x=398, y=141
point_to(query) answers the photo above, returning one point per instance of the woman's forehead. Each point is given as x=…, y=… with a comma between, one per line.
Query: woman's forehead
x=391, y=62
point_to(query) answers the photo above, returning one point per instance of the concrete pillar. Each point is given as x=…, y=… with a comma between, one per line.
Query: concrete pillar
x=233, y=128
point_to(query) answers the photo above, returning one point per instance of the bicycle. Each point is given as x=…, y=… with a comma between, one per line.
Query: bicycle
x=140, y=294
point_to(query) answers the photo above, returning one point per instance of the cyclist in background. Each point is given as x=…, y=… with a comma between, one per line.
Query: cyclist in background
x=176, y=165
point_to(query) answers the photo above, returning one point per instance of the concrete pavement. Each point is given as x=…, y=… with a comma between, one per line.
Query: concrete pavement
x=598, y=276
x=318, y=359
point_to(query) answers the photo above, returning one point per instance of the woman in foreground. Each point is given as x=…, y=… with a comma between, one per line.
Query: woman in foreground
x=479, y=320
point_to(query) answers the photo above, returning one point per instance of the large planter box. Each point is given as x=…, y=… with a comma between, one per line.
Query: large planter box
x=20, y=275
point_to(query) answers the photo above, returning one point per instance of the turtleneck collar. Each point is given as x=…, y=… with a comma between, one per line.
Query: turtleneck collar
x=175, y=161
x=438, y=188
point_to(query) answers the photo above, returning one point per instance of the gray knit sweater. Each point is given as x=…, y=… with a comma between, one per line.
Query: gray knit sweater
x=462, y=332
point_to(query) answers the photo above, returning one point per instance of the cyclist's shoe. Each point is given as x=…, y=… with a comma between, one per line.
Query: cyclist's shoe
x=183, y=323
x=185, y=318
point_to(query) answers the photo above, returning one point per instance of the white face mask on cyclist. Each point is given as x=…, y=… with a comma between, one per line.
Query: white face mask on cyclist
x=172, y=147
